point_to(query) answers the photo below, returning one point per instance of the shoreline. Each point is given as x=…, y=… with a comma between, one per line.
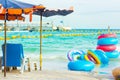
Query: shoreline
x=54, y=71
x=50, y=75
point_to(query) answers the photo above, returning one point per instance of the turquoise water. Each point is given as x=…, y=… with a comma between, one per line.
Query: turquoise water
x=56, y=44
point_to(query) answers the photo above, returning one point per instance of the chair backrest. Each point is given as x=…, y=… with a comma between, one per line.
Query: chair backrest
x=14, y=54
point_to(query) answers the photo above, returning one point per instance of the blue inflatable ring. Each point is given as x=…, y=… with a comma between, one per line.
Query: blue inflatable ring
x=81, y=65
x=107, y=41
x=104, y=59
x=113, y=54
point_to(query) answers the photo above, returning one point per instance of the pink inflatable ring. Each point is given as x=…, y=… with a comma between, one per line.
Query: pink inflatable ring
x=106, y=47
x=107, y=35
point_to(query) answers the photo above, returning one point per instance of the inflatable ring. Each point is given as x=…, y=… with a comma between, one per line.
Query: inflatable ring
x=74, y=54
x=113, y=54
x=81, y=65
x=91, y=58
x=82, y=57
x=104, y=59
x=86, y=57
x=107, y=35
x=107, y=41
x=94, y=55
x=107, y=48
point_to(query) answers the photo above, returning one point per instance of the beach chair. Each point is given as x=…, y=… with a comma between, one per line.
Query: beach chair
x=14, y=56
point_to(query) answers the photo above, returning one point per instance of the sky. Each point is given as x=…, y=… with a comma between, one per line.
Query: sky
x=87, y=13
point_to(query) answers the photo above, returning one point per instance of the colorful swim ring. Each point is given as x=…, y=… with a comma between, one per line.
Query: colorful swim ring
x=107, y=41
x=103, y=58
x=112, y=54
x=86, y=57
x=74, y=55
x=81, y=65
x=107, y=47
x=91, y=58
x=107, y=35
x=94, y=56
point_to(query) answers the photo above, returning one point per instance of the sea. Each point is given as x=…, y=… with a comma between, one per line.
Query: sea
x=56, y=45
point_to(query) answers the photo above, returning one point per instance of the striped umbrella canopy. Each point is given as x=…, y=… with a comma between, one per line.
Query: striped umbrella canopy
x=12, y=14
x=53, y=12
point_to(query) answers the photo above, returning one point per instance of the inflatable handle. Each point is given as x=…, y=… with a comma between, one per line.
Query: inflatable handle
x=74, y=54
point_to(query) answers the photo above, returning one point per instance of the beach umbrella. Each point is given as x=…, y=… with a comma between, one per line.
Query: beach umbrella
x=10, y=16
x=16, y=8
x=53, y=12
x=48, y=13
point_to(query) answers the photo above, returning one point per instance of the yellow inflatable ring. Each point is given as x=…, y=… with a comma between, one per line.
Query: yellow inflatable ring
x=86, y=57
x=94, y=55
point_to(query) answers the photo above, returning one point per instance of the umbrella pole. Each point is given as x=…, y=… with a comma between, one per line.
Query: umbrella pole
x=40, y=40
x=108, y=29
x=5, y=45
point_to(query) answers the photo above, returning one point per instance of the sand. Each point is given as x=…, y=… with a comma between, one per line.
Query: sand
x=53, y=75
x=54, y=71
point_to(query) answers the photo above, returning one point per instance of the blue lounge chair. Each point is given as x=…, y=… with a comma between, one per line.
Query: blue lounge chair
x=14, y=55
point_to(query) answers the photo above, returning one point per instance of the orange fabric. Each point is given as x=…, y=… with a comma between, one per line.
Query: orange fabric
x=30, y=16
x=39, y=7
x=3, y=11
x=20, y=18
x=27, y=10
x=71, y=8
x=13, y=11
x=2, y=17
x=10, y=18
